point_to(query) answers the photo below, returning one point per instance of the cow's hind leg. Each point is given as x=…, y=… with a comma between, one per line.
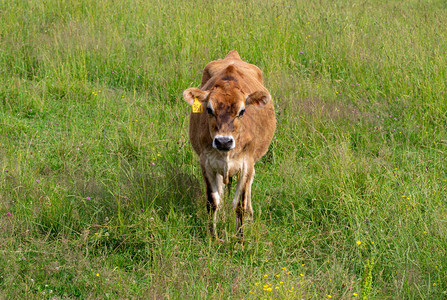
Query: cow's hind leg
x=228, y=187
x=242, y=199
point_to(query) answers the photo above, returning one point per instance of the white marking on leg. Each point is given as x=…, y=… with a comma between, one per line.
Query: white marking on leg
x=219, y=184
x=248, y=199
x=237, y=194
x=216, y=198
x=238, y=186
x=216, y=186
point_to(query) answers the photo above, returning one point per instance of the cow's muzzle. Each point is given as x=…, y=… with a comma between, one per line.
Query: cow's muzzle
x=223, y=142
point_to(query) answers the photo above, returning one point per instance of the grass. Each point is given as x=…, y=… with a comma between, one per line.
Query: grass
x=101, y=194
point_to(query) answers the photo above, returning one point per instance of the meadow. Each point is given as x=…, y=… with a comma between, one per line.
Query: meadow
x=101, y=195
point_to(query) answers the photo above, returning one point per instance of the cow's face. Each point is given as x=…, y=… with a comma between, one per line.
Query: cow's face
x=225, y=106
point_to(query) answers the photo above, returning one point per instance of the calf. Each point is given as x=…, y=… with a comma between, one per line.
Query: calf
x=230, y=127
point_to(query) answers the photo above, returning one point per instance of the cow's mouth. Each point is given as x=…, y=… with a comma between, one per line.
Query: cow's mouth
x=223, y=142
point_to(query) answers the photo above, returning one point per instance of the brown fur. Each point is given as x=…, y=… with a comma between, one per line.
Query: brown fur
x=229, y=85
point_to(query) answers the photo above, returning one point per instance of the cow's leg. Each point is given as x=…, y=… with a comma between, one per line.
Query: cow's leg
x=249, y=208
x=214, y=189
x=242, y=199
x=228, y=187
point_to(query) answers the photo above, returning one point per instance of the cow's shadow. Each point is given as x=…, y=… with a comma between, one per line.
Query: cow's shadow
x=168, y=187
x=168, y=190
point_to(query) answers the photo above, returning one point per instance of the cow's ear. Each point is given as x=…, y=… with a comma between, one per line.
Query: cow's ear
x=259, y=98
x=192, y=93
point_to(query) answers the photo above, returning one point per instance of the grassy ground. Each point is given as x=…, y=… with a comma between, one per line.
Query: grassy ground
x=101, y=194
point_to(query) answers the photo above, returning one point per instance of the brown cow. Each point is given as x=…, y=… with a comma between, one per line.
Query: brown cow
x=231, y=126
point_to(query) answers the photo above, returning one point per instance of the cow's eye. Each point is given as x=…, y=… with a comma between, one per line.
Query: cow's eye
x=209, y=111
x=241, y=113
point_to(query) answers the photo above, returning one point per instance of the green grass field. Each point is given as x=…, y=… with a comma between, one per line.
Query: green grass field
x=101, y=195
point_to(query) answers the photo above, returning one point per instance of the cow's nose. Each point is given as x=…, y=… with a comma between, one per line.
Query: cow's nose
x=223, y=143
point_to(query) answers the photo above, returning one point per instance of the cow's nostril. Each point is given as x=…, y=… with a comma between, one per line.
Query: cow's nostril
x=223, y=143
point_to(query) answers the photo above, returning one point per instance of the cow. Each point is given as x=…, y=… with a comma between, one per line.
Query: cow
x=231, y=126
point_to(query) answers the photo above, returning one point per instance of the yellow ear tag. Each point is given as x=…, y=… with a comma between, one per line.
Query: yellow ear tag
x=197, y=106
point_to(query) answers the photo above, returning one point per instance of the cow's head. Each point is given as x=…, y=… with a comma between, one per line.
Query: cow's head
x=225, y=105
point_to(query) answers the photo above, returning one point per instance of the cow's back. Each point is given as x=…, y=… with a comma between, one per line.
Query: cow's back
x=252, y=75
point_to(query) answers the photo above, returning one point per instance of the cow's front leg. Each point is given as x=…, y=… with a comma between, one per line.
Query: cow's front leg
x=214, y=189
x=242, y=199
